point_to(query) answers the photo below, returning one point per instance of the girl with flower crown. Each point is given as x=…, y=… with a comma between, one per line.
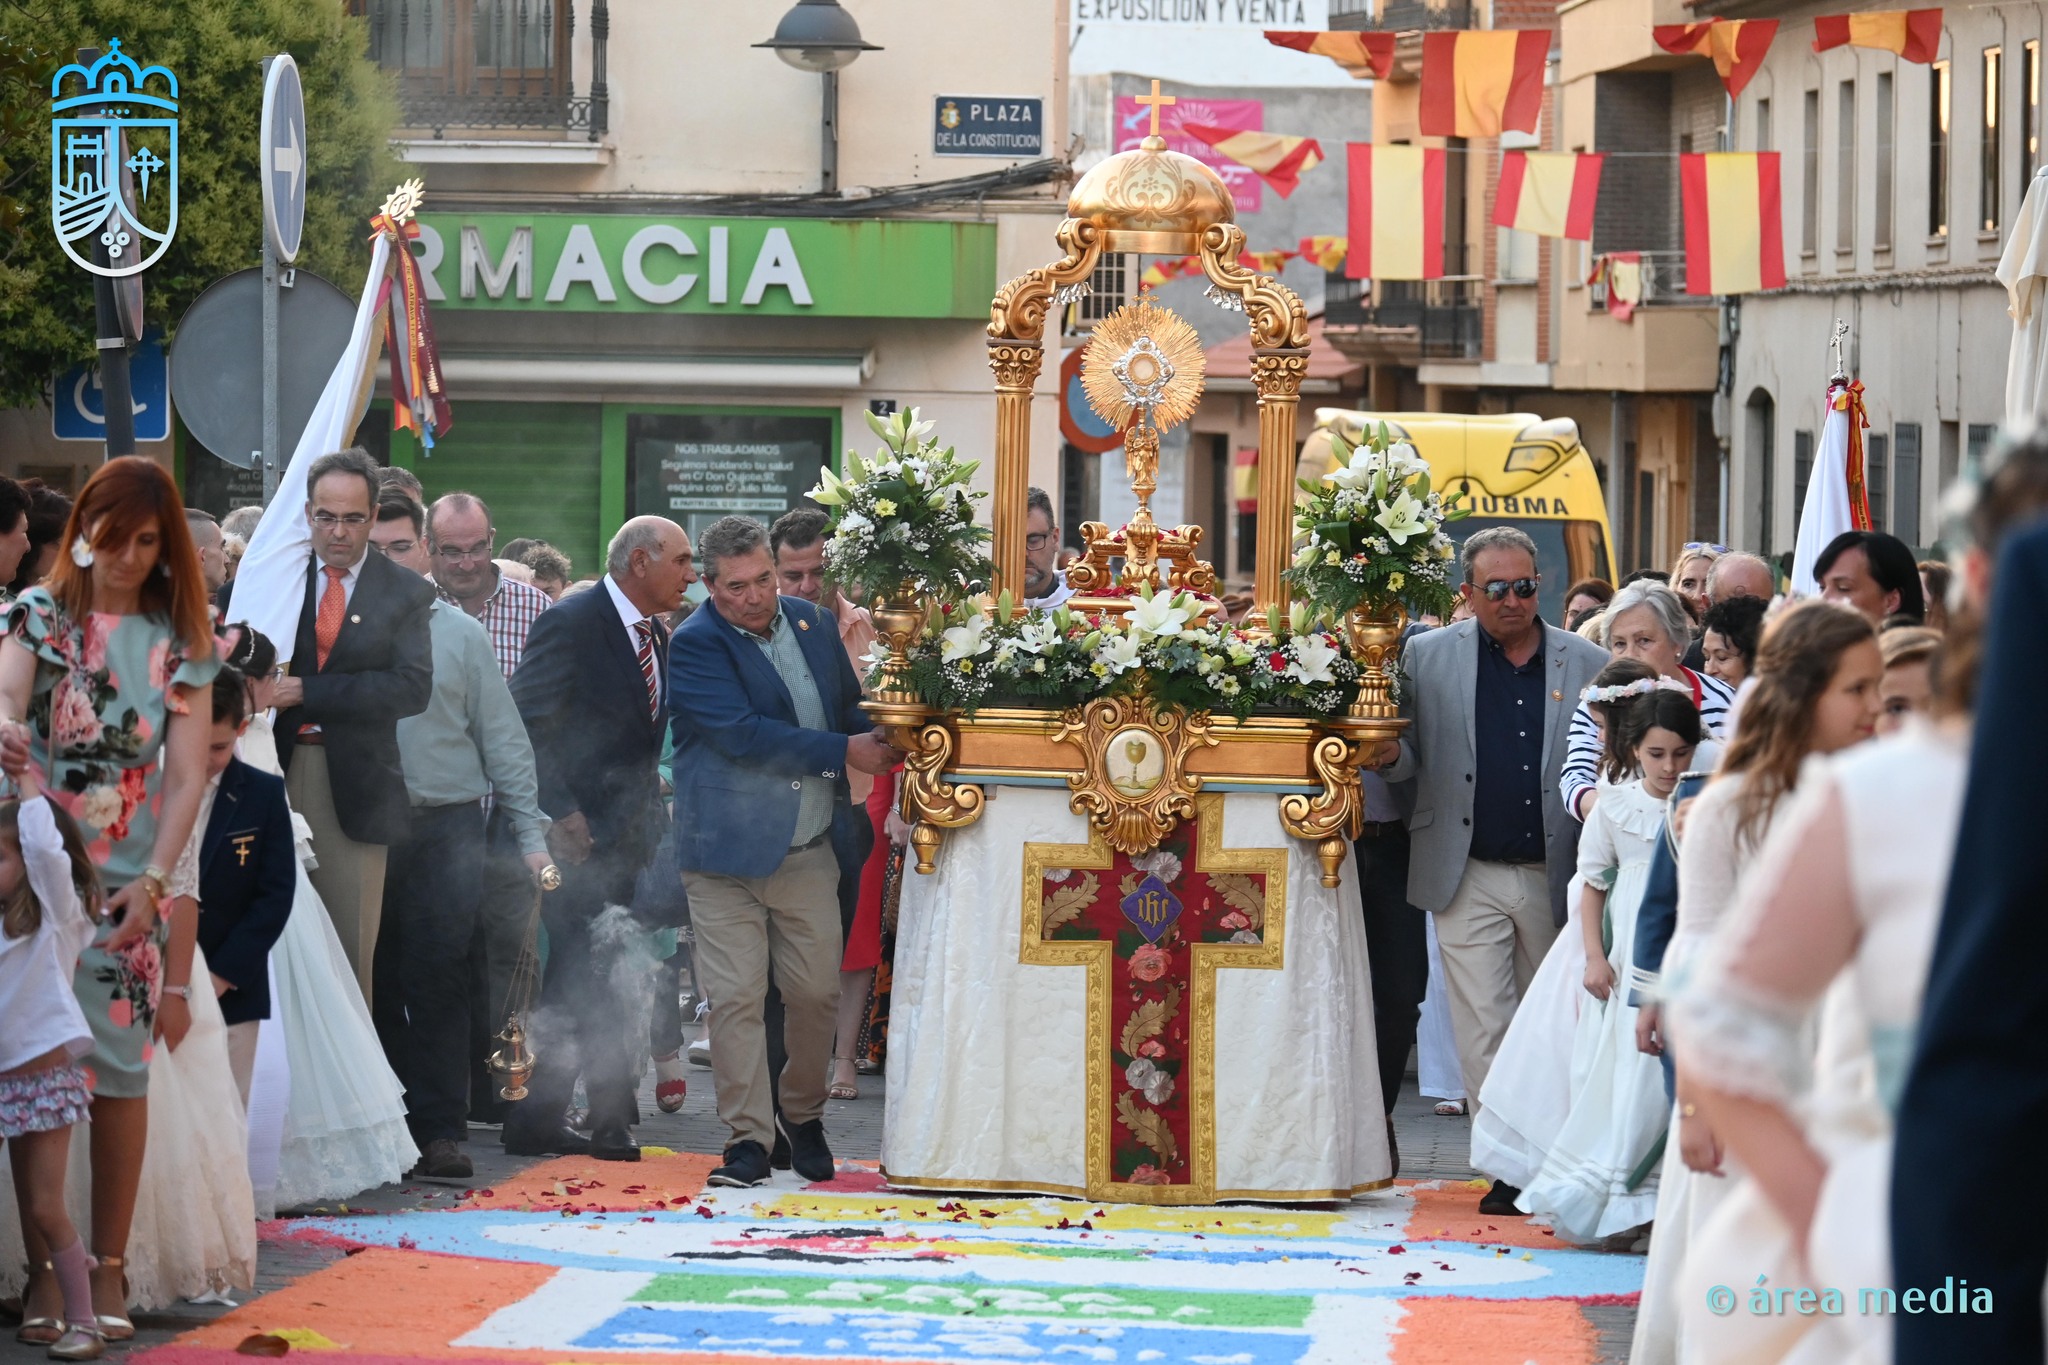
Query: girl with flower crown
x=1595, y=1180
x=1528, y=1092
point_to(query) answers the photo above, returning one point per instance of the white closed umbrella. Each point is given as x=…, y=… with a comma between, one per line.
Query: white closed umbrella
x=2023, y=270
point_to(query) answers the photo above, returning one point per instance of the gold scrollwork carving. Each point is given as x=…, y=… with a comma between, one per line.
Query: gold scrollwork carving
x=1278, y=316
x=1133, y=786
x=1331, y=816
x=1279, y=373
x=929, y=802
x=1018, y=310
x=1015, y=363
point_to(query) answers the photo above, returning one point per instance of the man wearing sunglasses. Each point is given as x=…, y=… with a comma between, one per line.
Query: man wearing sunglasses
x=1490, y=701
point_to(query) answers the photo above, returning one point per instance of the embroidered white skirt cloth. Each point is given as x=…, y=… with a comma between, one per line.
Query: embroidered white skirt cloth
x=1189, y=1025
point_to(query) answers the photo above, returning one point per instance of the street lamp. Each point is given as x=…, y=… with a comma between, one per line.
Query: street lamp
x=817, y=35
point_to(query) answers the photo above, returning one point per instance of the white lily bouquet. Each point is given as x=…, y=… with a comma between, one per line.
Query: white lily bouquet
x=1372, y=533
x=1065, y=658
x=904, y=519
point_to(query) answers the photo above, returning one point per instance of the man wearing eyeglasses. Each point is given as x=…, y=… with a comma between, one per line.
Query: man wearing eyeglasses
x=362, y=661
x=1044, y=585
x=461, y=541
x=1490, y=705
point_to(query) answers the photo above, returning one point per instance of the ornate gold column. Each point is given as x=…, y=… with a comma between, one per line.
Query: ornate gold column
x=1016, y=365
x=1276, y=374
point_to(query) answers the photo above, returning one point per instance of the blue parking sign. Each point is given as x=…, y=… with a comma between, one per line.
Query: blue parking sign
x=78, y=409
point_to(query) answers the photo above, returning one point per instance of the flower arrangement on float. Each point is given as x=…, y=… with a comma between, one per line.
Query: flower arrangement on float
x=903, y=521
x=977, y=656
x=1373, y=552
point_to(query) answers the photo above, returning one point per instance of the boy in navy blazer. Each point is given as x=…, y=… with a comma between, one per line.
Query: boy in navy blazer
x=248, y=874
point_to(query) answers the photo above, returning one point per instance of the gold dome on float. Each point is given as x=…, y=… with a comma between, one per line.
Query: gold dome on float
x=1152, y=200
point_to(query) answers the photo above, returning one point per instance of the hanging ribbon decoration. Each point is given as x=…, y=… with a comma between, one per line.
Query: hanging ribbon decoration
x=419, y=398
x=1849, y=398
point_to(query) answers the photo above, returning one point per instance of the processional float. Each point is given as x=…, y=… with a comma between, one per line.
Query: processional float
x=1223, y=993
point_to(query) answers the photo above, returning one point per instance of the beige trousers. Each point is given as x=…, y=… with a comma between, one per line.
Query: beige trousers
x=350, y=876
x=1492, y=936
x=742, y=924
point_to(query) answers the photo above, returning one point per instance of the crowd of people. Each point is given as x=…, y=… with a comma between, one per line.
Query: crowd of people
x=1684, y=859
x=266, y=909
x=1646, y=885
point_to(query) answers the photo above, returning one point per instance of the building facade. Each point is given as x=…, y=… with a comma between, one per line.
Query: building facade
x=667, y=275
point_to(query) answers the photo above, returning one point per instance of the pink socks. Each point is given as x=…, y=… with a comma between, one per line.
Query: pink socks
x=74, y=1278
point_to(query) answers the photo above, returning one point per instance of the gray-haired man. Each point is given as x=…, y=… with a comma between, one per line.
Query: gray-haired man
x=590, y=689
x=1492, y=847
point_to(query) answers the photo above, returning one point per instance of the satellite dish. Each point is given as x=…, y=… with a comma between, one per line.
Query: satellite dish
x=217, y=361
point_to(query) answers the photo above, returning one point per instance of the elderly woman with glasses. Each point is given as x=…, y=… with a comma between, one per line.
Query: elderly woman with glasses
x=1645, y=621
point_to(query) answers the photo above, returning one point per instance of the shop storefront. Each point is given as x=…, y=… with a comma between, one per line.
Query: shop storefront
x=603, y=366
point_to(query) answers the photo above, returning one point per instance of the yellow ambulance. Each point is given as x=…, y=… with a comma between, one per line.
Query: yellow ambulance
x=1515, y=469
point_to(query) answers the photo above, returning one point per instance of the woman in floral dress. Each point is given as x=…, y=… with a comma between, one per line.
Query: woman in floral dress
x=95, y=674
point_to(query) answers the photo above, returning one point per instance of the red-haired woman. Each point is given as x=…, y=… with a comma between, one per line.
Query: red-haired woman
x=96, y=673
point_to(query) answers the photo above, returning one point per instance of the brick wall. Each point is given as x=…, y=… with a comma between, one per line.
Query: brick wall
x=1638, y=208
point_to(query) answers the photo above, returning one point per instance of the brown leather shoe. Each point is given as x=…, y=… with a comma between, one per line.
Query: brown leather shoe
x=443, y=1160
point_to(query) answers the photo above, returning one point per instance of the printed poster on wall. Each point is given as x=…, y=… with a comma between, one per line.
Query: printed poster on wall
x=1133, y=119
x=694, y=468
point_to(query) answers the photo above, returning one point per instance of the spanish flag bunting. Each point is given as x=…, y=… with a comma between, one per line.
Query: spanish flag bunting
x=1549, y=193
x=1326, y=252
x=1278, y=158
x=1482, y=82
x=1622, y=273
x=1736, y=45
x=1397, y=213
x=1734, y=226
x=1914, y=34
x=1360, y=54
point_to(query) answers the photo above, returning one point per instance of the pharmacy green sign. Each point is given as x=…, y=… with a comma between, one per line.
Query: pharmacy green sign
x=775, y=267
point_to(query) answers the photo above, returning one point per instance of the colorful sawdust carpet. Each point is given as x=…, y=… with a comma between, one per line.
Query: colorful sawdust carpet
x=577, y=1261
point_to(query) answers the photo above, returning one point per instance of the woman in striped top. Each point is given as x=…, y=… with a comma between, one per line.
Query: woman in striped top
x=1645, y=621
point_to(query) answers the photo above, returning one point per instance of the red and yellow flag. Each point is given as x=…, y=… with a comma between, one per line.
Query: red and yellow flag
x=1549, y=193
x=1478, y=83
x=1734, y=223
x=1326, y=252
x=1736, y=45
x=1914, y=34
x=1397, y=242
x=1278, y=158
x=1360, y=54
x=1622, y=273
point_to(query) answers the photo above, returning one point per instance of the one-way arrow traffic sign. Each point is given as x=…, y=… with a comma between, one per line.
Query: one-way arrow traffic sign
x=283, y=139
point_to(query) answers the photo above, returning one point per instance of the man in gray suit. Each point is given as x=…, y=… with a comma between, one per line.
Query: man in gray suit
x=1490, y=700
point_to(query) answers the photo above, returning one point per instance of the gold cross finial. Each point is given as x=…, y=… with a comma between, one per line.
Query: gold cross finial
x=1156, y=101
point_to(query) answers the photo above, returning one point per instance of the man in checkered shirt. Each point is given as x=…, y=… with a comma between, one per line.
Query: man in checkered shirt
x=461, y=541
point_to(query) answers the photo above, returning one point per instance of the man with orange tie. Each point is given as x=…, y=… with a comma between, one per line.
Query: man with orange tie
x=364, y=660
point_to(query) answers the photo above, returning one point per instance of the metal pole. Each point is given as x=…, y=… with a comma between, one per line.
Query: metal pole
x=830, y=181
x=118, y=398
x=270, y=436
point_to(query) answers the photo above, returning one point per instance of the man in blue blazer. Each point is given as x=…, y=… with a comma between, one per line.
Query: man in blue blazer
x=248, y=874
x=767, y=720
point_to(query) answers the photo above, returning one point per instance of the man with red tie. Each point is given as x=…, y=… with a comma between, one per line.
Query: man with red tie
x=592, y=689
x=363, y=661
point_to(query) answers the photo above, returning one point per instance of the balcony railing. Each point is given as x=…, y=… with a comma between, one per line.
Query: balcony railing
x=1444, y=315
x=1399, y=16
x=496, y=64
x=1663, y=283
